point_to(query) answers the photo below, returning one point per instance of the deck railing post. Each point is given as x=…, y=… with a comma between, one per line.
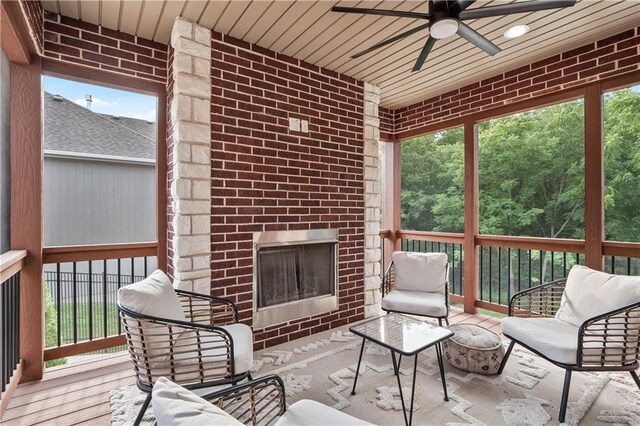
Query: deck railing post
x=471, y=216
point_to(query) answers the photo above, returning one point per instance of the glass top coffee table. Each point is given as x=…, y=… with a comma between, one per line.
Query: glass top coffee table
x=406, y=336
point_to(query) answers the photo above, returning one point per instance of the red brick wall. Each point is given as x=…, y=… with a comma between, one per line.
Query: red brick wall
x=606, y=58
x=386, y=122
x=82, y=43
x=265, y=177
x=32, y=9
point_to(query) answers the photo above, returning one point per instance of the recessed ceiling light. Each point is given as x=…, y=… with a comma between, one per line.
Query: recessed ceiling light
x=516, y=31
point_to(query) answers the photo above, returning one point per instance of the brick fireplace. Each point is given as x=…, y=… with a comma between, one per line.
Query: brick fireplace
x=266, y=177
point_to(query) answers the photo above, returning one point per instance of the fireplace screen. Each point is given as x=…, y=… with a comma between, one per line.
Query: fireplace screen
x=295, y=272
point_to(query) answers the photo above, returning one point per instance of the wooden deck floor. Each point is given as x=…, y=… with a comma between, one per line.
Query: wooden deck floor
x=78, y=393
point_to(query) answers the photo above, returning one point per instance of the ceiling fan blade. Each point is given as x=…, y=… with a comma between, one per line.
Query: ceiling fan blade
x=428, y=45
x=476, y=38
x=391, y=40
x=463, y=4
x=381, y=12
x=519, y=7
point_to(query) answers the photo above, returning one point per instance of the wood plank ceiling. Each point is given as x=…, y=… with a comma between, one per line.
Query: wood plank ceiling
x=308, y=30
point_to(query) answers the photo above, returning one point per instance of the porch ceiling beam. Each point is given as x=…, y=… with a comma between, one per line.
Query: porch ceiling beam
x=14, y=33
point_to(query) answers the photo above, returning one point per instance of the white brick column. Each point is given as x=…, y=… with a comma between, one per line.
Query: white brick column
x=372, y=253
x=190, y=120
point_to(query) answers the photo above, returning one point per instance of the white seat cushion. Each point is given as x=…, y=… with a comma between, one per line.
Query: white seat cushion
x=555, y=339
x=184, y=368
x=311, y=413
x=589, y=293
x=174, y=405
x=426, y=272
x=415, y=302
x=242, y=337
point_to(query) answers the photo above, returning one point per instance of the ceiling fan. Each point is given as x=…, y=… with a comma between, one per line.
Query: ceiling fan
x=445, y=19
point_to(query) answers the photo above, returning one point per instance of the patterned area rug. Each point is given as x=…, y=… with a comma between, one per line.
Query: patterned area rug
x=322, y=367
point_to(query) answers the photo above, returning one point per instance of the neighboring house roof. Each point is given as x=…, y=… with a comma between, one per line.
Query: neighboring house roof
x=69, y=127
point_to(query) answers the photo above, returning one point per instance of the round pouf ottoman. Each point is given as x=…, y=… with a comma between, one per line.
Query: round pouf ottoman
x=474, y=349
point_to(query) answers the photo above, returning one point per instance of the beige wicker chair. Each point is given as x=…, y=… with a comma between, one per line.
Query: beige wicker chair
x=262, y=401
x=200, y=352
x=609, y=341
x=432, y=301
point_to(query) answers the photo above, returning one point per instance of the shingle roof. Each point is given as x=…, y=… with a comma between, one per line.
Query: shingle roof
x=71, y=127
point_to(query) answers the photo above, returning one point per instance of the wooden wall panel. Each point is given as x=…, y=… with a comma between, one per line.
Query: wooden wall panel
x=26, y=208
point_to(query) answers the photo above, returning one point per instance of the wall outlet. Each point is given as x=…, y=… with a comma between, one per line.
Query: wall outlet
x=294, y=124
x=304, y=126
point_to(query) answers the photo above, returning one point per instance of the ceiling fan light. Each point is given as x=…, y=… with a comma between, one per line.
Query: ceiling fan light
x=444, y=28
x=516, y=31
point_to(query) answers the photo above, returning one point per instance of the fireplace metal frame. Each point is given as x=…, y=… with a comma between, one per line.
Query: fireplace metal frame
x=283, y=312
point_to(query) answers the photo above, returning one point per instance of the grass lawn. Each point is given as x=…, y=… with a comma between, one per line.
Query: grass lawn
x=81, y=325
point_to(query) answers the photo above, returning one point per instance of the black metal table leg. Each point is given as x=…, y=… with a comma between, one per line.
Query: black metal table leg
x=413, y=386
x=441, y=365
x=396, y=367
x=355, y=380
x=397, y=370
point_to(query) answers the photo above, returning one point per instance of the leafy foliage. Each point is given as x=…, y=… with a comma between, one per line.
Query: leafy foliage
x=531, y=173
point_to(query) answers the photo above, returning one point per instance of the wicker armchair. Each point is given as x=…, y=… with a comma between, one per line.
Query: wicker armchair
x=208, y=349
x=428, y=303
x=262, y=401
x=609, y=341
x=258, y=402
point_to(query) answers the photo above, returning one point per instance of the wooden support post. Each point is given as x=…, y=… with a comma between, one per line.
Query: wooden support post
x=26, y=208
x=162, y=179
x=391, y=190
x=471, y=217
x=593, y=177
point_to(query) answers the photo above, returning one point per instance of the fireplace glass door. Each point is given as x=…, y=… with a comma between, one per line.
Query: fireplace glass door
x=289, y=273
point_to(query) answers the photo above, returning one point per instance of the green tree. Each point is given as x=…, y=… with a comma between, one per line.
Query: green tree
x=622, y=165
x=532, y=173
x=432, y=182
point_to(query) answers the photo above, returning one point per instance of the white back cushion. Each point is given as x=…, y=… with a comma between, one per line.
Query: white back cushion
x=589, y=293
x=420, y=271
x=175, y=405
x=152, y=296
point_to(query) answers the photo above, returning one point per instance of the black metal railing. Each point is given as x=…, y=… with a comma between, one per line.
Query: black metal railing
x=622, y=265
x=505, y=271
x=454, y=252
x=81, y=297
x=9, y=328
